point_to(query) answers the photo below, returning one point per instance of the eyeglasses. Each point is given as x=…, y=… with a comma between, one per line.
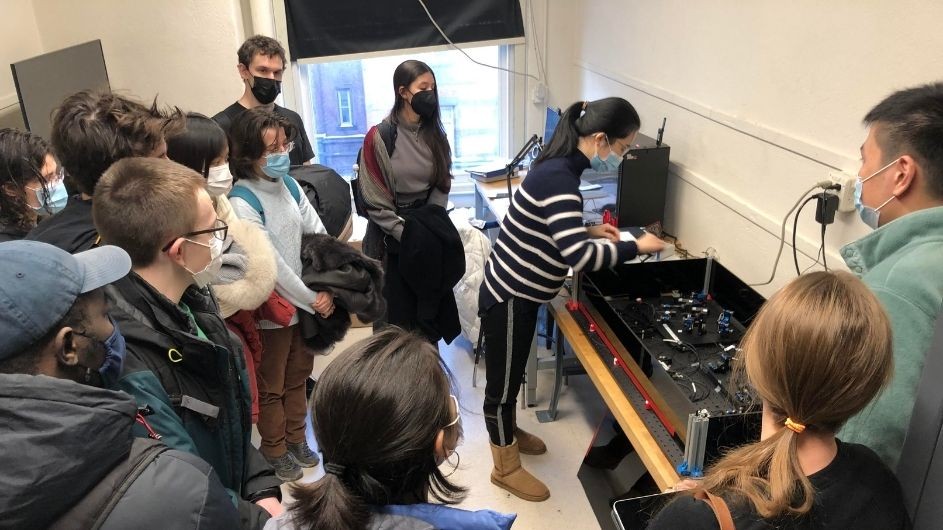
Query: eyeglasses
x=56, y=176
x=220, y=230
x=50, y=179
x=458, y=414
x=288, y=148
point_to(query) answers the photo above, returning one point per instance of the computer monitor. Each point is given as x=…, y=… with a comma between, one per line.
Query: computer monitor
x=553, y=118
x=42, y=82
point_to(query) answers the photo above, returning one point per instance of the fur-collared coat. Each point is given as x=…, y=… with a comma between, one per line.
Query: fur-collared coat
x=248, y=274
x=355, y=280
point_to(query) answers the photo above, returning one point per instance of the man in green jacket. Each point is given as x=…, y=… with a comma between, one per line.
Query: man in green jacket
x=182, y=363
x=899, y=194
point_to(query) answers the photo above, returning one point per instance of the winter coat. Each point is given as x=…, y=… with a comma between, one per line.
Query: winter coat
x=62, y=439
x=420, y=517
x=247, y=276
x=191, y=374
x=355, y=280
x=477, y=247
x=431, y=261
x=72, y=229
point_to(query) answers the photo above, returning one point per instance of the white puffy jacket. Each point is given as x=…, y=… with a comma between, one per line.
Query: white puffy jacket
x=477, y=247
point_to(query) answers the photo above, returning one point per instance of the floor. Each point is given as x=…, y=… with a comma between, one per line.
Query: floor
x=567, y=439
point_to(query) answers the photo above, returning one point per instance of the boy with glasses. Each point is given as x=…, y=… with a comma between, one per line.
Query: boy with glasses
x=182, y=363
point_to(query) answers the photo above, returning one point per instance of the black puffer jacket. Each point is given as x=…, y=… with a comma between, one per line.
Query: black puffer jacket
x=355, y=280
x=61, y=438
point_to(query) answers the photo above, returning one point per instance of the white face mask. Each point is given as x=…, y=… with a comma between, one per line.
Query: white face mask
x=218, y=180
x=209, y=273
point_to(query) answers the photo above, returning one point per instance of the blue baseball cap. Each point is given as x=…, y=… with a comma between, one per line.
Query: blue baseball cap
x=39, y=284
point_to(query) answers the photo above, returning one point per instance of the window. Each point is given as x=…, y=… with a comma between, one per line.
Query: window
x=343, y=108
x=473, y=101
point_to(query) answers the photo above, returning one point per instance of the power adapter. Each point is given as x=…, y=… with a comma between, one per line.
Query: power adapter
x=826, y=205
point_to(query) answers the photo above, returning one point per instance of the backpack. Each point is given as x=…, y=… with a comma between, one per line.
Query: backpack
x=246, y=194
x=388, y=134
x=96, y=506
x=328, y=192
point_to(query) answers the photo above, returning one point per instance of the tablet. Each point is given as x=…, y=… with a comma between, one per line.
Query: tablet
x=637, y=512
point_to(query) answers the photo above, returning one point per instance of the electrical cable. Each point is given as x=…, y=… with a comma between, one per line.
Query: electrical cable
x=822, y=247
x=818, y=260
x=541, y=69
x=782, y=233
x=795, y=227
x=452, y=44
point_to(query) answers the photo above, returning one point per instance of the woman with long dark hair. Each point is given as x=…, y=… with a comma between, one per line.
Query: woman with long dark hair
x=385, y=417
x=405, y=164
x=816, y=354
x=31, y=184
x=542, y=237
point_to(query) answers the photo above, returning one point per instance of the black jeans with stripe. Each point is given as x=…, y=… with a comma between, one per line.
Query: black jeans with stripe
x=509, y=329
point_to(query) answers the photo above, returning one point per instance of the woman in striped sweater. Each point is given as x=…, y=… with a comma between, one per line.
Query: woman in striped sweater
x=541, y=238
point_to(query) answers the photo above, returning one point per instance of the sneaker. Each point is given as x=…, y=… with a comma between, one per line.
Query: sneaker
x=285, y=468
x=302, y=455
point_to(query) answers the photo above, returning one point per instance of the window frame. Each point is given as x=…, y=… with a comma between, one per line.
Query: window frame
x=341, y=108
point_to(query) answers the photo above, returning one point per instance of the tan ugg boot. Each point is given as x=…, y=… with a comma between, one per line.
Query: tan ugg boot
x=528, y=444
x=509, y=474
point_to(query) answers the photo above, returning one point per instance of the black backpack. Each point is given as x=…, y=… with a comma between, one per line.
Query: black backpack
x=94, y=509
x=328, y=192
x=388, y=134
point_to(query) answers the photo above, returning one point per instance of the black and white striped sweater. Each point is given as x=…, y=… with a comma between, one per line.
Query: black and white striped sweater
x=543, y=235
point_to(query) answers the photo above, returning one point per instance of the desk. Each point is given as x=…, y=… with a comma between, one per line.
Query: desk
x=638, y=433
x=486, y=205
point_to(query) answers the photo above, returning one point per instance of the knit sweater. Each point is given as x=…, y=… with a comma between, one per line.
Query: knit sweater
x=543, y=235
x=388, y=183
x=285, y=222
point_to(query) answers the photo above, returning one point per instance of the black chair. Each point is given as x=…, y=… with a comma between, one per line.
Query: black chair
x=920, y=468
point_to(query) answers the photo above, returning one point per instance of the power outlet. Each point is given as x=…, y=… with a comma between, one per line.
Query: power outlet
x=846, y=195
x=539, y=94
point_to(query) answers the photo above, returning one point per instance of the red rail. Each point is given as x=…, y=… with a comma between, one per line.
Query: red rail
x=649, y=403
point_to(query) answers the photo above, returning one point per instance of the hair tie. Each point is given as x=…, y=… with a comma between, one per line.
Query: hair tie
x=334, y=469
x=794, y=426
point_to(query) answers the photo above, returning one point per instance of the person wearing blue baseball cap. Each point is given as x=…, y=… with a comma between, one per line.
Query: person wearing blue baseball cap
x=68, y=444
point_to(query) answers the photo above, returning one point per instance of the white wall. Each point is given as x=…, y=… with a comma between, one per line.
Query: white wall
x=19, y=39
x=183, y=51
x=547, y=27
x=761, y=98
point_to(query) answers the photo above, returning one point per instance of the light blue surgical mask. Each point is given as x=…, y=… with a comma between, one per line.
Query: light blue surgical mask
x=870, y=216
x=56, y=199
x=611, y=163
x=277, y=165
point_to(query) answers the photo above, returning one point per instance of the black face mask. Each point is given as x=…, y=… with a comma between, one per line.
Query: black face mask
x=265, y=90
x=425, y=104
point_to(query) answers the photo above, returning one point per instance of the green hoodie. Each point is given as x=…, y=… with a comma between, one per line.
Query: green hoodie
x=902, y=263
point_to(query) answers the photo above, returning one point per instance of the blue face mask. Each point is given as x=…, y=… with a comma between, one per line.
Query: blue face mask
x=611, y=163
x=277, y=165
x=870, y=216
x=115, y=351
x=55, y=202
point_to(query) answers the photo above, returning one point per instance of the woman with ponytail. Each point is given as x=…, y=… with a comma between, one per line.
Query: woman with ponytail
x=542, y=237
x=385, y=418
x=818, y=352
